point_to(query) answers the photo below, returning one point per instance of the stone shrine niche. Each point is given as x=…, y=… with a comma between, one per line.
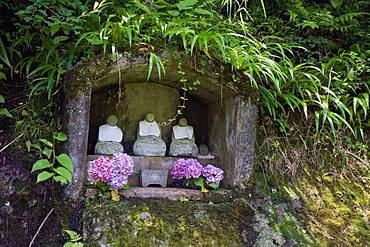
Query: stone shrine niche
x=222, y=118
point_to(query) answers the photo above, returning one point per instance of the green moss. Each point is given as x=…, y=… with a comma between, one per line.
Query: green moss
x=167, y=223
x=330, y=183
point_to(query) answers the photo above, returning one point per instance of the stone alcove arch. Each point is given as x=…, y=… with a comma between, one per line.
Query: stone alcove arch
x=231, y=116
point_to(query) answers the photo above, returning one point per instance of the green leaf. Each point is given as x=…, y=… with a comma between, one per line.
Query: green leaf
x=186, y=4
x=203, y=12
x=60, y=179
x=204, y=190
x=173, y=12
x=64, y=173
x=184, y=199
x=115, y=196
x=5, y=112
x=44, y=176
x=201, y=182
x=28, y=145
x=2, y=99
x=46, y=142
x=65, y=161
x=47, y=152
x=73, y=236
x=60, y=136
x=40, y=165
x=213, y=185
x=336, y=3
x=58, y=39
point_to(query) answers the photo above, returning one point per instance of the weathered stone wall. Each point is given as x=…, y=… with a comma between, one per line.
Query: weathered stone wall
x=232, y=137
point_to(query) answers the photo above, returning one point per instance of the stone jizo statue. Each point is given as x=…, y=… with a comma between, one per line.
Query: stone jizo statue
x=109, y=138
x=183, y=140
x=149, y=142
x=204, y=152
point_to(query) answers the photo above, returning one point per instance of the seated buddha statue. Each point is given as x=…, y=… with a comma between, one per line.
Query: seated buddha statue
x=149, y=142
x=109, y=138
x=183, y=140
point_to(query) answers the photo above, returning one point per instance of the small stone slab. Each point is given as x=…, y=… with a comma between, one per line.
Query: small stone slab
x=154, y=177
x=174, y=194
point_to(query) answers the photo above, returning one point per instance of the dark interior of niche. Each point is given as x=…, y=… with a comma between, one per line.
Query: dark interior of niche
x=195, y=112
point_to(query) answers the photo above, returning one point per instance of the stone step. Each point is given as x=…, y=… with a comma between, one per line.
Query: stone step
x=174, y=194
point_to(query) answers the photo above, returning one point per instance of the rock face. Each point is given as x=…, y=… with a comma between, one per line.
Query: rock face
x=108, y=147
x=149, y=146
x=167, y=223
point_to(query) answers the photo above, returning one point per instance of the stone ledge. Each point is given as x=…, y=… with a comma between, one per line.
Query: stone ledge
x=173, y=194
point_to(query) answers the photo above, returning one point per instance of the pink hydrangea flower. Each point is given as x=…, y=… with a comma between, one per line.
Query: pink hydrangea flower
x=100, y=169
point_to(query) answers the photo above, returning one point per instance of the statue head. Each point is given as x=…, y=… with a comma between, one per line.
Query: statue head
x=149, y=117
x=183, y=122
x=112, y=120
x=203, y=150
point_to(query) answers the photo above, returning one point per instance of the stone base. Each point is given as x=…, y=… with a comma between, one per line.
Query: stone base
x=183, y=147
x=174, y=194
x=150, y=146
x=159, y=222
x=108, y=148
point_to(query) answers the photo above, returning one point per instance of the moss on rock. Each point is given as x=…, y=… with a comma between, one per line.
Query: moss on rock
x=167, y=223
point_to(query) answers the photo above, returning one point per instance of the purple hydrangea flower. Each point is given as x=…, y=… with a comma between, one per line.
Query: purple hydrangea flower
x=193, y=169
x=213, y=174
x=117, y=181
x=179, y=169
x=122, y=167
x=100, y=169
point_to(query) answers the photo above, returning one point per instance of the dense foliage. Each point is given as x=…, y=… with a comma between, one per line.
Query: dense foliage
x=306, y=57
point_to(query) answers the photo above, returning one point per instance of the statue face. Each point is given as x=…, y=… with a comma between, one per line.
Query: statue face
x=150, y=117
x=112, y=120
x=183, y=122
